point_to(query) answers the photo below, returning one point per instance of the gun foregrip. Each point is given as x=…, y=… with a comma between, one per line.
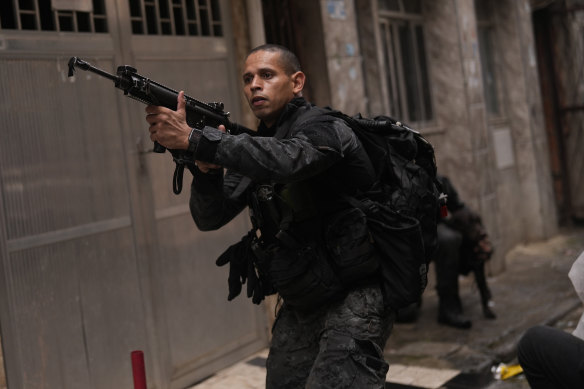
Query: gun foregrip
x=158, y=148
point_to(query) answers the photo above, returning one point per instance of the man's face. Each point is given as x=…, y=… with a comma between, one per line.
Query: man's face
x=267, y=87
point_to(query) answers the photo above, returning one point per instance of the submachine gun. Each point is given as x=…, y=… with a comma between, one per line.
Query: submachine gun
x=150, y=92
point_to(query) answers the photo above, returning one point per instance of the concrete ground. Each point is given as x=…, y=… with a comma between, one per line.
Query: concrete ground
x=534, y=289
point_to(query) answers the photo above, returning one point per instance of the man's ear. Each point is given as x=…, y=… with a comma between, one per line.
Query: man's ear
x=298, y=79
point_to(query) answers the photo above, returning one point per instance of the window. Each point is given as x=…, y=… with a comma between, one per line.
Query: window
x=406, y=83
x=485, y=28
x=39, y=15
x=176, y=17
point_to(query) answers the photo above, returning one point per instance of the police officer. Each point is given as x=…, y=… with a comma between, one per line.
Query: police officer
x=294, y=176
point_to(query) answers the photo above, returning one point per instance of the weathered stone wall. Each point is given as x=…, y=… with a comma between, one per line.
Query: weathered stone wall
x=372, y=72
x=500, y=166
x=453, y=88
x=568, y=61
x=343, y=55
x=527, y=208
x=461, y=134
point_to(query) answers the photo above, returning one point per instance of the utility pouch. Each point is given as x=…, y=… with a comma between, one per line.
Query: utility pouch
x=303, y=277
x=264, y=212
x=399, y=242
x=350, y=246
x=262, y=258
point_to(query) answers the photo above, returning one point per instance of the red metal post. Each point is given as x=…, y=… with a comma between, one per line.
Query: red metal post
x=138, y=370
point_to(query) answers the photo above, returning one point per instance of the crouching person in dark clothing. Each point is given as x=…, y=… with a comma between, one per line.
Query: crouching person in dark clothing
x=463, y=247
x=294, y=176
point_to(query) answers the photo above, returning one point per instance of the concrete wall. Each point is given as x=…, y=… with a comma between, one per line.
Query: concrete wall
x=310, y=49
x=499, y=164
x=372, y=72
x=457, y=90
x=343, y=56
x=531, y=214
x=463, y=146
x=567, y=40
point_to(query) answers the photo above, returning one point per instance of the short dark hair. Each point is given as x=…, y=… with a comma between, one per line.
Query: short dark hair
x=289, y=60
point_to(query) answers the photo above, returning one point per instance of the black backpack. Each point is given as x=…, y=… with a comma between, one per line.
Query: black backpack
x=403, y=209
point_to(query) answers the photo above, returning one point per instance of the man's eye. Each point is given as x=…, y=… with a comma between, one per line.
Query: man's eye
x=267, y=75
x=246, y=80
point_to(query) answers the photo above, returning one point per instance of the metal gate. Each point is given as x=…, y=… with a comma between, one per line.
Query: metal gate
x=560, y=42
x=98, y=257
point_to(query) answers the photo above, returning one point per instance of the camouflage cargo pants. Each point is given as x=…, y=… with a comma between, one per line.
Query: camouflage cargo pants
x=338, y=347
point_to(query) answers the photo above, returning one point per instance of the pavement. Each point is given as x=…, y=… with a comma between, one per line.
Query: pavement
x=534, y=289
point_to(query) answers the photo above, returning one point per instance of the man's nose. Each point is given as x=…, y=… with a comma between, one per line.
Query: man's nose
x=255, y=84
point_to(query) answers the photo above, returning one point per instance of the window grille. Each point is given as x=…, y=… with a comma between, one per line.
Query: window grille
x=39, y=15
x=485, y=29
x=406, y=83
x=176, y=17
x=409, y=6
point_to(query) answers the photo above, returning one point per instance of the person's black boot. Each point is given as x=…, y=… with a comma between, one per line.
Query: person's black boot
x=487, y=311
x=450, y=312
x=454, y=319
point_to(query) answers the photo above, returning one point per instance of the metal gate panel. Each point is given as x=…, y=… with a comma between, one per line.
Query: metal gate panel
x=203, y=330
x=72, y=300
x=98, y=257
x=60, y=151
x=75, y=307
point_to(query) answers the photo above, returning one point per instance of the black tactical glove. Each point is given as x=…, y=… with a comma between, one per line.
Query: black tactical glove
x=254, y=285
x=242, y=268
x=237, y=255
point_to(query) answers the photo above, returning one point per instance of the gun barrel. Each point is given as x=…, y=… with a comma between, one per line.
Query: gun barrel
x=79, y=63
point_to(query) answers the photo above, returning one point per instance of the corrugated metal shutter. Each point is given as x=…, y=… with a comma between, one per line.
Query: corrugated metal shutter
x=98, y=257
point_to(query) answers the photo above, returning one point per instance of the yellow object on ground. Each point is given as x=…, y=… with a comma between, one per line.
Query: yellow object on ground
x=503, y=372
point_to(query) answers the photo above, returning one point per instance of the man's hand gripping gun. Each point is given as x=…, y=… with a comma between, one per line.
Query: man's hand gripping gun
x=150, y=92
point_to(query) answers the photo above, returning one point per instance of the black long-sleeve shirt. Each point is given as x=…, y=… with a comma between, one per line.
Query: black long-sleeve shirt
x=319, y=149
